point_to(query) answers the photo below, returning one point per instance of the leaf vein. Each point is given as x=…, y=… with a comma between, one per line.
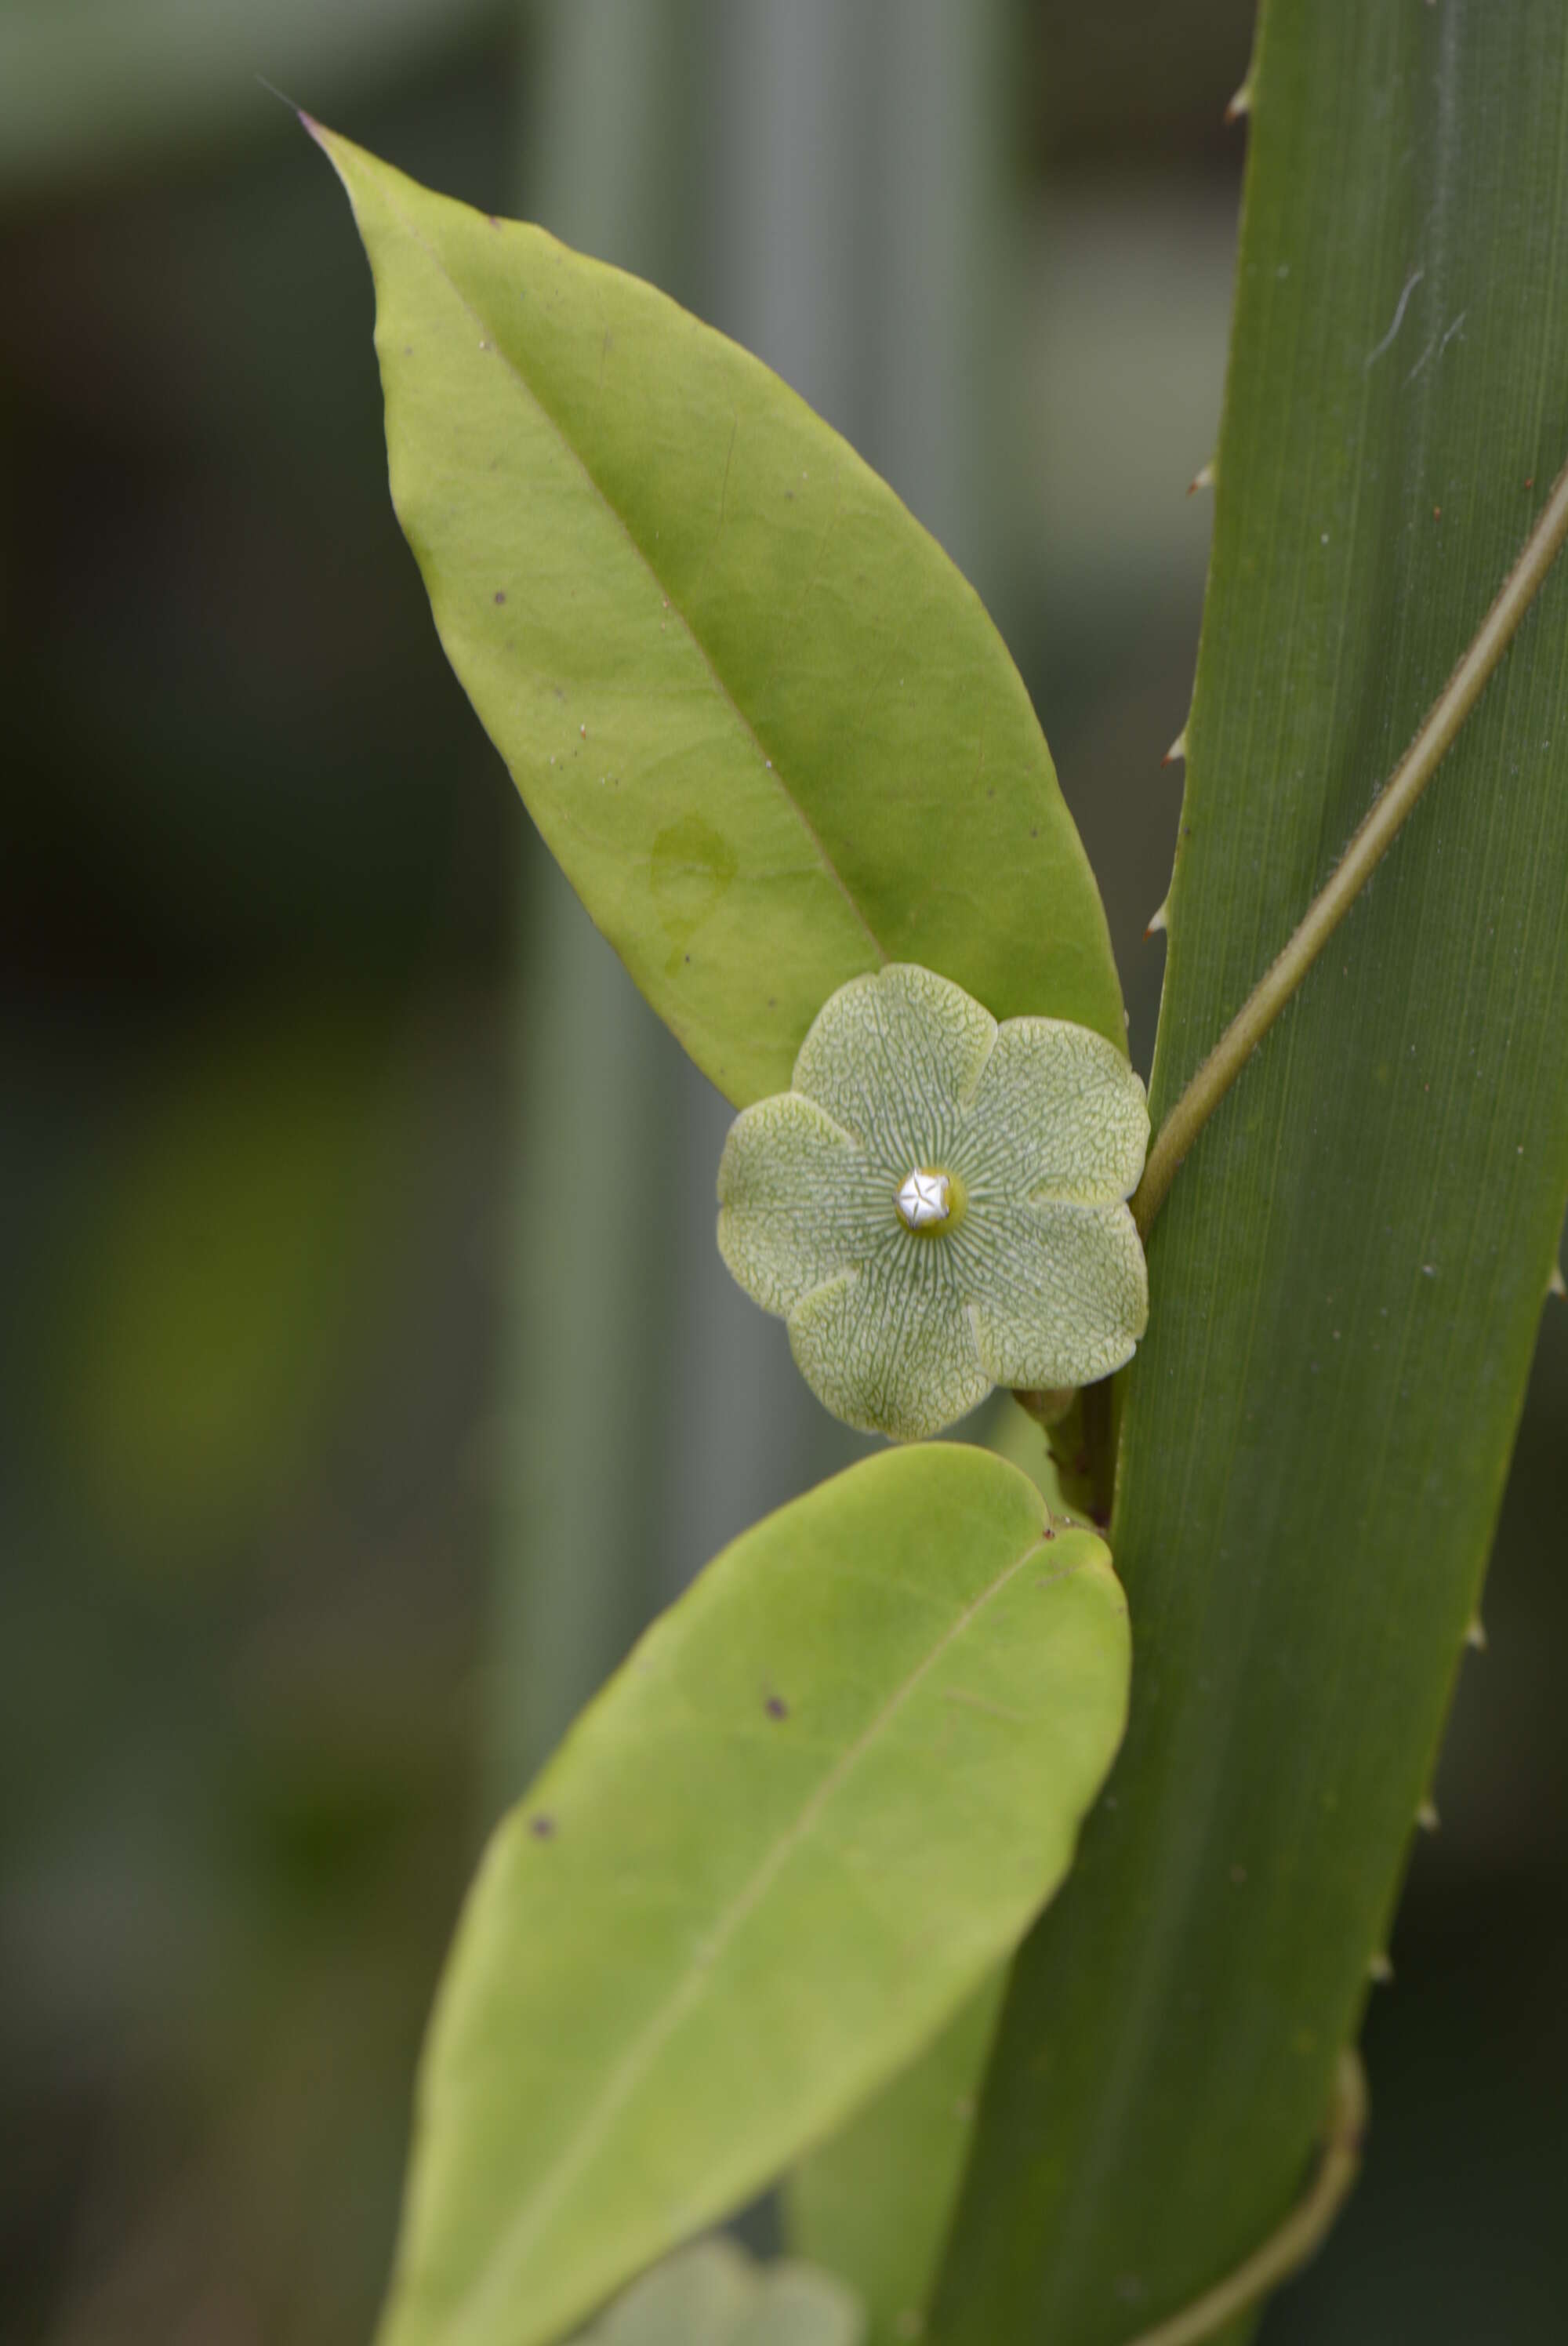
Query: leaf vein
x=720, y=685
x=641, y=2055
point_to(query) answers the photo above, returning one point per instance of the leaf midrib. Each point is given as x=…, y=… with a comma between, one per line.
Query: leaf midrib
x=769, y=766
x=667, y=2018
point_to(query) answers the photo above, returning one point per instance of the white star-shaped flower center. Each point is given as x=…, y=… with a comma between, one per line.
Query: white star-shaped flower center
x=924, y=1199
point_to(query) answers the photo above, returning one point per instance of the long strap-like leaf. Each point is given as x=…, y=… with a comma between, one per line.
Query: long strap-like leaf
x=1348, y=1276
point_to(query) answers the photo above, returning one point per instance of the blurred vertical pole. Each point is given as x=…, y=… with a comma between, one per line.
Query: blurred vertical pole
x=849, y=158
x=863, y=161
x=819, y=182
x=593, y=1137
x=933, y=285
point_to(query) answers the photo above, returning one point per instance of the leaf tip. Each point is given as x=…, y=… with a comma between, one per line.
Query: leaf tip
x=340, y=152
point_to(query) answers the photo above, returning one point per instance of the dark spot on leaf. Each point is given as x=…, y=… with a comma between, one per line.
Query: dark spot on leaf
x=776, y=1707
x=691, y=872
x=543, y=1828
x=1048, y=1533
x=500, y=593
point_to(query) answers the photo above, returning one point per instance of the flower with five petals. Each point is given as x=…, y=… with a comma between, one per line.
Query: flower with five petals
x=938, y=1204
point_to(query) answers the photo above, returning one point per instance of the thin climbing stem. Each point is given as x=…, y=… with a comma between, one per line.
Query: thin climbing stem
x=1369, y=844
x=1300, y=2234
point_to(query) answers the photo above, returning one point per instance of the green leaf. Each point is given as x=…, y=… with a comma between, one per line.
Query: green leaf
x=764, y=725
x=1014, y=1435
x=874, y=2204
x=821, y=1797
x=715, y=2295
x=1347, y=1279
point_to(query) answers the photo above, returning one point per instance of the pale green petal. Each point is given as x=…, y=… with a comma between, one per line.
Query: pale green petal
x=1060, y=1293
x=895, y=1057
x=714, y=2295
x=797, y=1201
x=799, y=2306
x=1059, y=1114
x=1040, y=1280
x=892, y=1355
x=698, y=2297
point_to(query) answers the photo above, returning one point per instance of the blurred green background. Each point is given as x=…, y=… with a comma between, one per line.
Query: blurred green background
x=368, y=1372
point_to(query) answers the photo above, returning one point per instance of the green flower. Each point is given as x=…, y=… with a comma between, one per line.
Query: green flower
x=937, y=1204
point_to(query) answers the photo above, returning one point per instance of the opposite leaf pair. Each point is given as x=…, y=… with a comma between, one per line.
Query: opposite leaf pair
x=826, y=1796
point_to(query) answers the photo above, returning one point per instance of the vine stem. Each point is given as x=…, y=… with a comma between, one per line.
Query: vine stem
x=1369, y=844
x=1306, y=2226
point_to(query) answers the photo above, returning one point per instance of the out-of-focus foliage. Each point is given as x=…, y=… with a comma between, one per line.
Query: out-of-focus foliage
x=87, y=86
x=219, y=1276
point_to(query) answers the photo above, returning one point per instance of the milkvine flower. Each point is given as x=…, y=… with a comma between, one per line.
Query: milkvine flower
x=937, y=1205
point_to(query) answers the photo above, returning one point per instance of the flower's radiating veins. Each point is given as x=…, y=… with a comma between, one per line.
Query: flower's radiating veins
x=1008, y=1152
